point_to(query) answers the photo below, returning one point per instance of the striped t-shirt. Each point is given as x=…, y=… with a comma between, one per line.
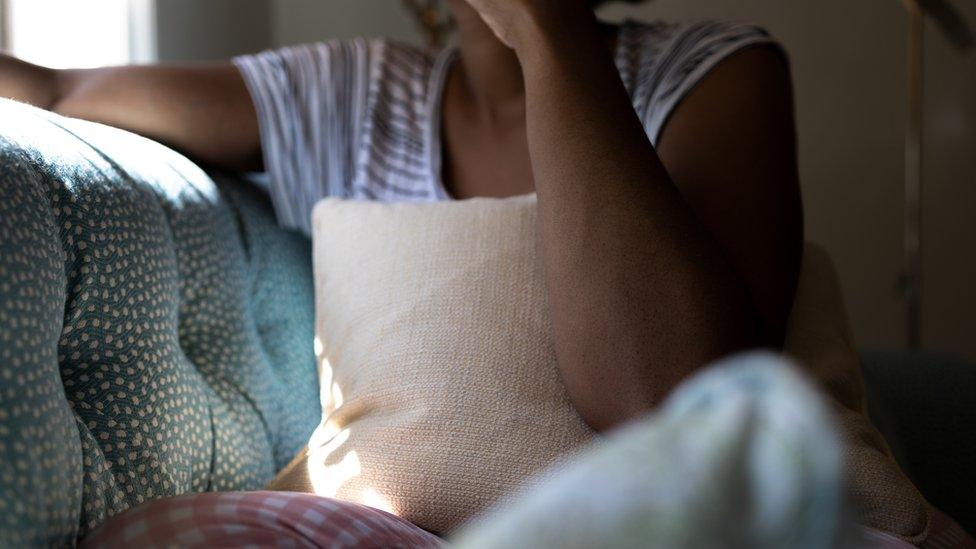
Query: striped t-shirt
x=361, y=119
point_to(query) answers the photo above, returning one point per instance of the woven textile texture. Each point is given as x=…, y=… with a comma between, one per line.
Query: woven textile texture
x=440, y=383
x=156, y=329
x=819, y=336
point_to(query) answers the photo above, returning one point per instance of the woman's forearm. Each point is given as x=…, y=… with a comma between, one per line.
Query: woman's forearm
x=641, y=295
x=28, y=83
x=204, y=110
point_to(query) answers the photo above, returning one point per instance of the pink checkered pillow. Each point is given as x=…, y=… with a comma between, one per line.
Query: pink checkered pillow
x=279, y=519
x=944, y=533
x=265, y=519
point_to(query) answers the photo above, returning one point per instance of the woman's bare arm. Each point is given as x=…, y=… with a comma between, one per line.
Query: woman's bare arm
x=730, y=148
x=203, y=110
x=653, y=272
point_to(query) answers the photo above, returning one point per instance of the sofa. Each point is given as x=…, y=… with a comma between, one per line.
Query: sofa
x=156, y=339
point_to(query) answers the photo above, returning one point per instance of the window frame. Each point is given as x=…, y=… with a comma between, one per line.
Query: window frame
x=4, y=27
x=143, y=43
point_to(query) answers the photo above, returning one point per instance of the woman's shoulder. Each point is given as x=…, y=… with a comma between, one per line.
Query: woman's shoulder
x=661, y=62
x=652, y=39
x=351, y=54
x=377, y=67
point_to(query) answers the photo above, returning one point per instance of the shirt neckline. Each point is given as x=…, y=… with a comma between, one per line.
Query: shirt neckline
x=435, y=147
x=443, y=64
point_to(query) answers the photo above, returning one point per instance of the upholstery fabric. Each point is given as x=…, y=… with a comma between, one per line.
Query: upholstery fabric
x=819, y=336
x=441, y=388
x=155, y=329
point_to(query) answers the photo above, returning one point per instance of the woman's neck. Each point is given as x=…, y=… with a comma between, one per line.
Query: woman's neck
x=489, y=74
x=489, y=71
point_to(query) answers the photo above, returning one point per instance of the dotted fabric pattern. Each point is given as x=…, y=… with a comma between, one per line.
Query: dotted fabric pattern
x=156, y=329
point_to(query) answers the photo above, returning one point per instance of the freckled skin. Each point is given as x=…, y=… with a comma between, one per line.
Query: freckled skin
x=658, y=260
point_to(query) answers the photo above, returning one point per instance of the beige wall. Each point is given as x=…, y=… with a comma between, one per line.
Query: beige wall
x=211, y=29
x=299, y=21
x=848, y=62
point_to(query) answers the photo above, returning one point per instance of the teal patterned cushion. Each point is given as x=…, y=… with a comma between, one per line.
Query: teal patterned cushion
x=156, y=329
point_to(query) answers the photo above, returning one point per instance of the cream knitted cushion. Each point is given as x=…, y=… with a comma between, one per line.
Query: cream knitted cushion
x=441, y=392
x=819, y=336
x=441, y=386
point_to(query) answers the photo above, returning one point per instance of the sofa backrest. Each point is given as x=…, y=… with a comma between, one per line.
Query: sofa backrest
x=156, y=329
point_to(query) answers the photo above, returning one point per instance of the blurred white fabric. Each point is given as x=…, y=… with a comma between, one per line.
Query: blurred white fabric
x=743, y=455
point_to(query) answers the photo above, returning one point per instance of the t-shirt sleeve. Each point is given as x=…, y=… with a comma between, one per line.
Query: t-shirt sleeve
x=309, y=101
x=691, y=52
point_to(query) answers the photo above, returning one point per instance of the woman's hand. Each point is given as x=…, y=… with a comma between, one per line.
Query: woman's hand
x=514, y=22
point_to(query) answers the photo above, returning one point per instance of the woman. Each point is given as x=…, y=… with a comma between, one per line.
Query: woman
x=680, y=186
x=663, y=157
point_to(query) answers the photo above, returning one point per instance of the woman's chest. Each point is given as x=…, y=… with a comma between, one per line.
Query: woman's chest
x=484, y=157
x=482, y=166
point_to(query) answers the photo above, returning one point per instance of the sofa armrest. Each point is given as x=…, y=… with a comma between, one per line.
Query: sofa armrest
x=156, y=329
x=925, y=404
